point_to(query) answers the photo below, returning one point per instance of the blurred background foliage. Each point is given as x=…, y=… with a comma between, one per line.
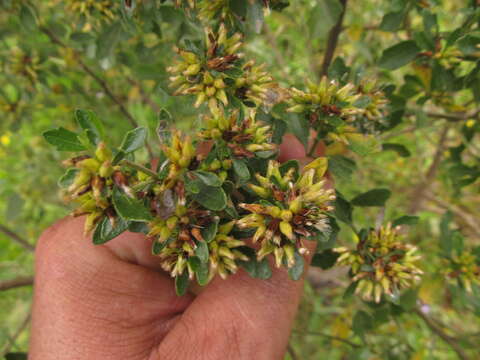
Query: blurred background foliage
x=110, y=56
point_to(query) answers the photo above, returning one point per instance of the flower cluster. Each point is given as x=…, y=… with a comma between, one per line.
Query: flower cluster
x=381, y=264
x=26, y=65
x=464, y=268
x=91, y=185
x=217, y=72
x=243, y=137
x=91, y=8
x=333, y=109
x=214, y=10
x=179, y=154
x=293, y=207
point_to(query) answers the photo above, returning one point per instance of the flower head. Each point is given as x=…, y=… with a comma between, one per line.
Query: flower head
x=464, y=268
x=292, y=210
x=243, y=136
x=381, y=264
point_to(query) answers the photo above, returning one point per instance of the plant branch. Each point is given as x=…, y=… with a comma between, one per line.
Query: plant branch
x=333, y=40
x=16, y=283
x=454, y=117
x=54, y=39
x=140, y=168
x=438, y=331
x=292, y=352
x=419, y=192
x=313, y=149
x=145, y=97
x=15, y=336
x=103, y=84
x=17, y=238
x=331, y=337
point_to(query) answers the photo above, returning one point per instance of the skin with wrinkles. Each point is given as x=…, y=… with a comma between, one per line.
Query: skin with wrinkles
x=113, y=302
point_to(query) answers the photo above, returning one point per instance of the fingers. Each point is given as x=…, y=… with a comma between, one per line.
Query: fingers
x=91, y=302
x=241, y=317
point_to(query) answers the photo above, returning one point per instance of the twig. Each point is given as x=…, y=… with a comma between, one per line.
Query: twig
x=16, y=283
x=54, y=39
x=313, y=149
x=470, y=219
x=331, y=337
x=17, y=238
x=145, y=97
x=15, y=336
x=333, y=40
x=438, y=331
x=140, y=168
x=455, y=117
x=292, y=352
x=419, y=192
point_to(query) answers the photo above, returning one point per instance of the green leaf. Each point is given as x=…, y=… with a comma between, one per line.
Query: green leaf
x=134, y=140
x=63, y=139
x=341, y=167
x=239, y=7
x=202, y=251
x=323, y=17
x=181, y=283
x=406, y=220
x=138, y=227
x=241, y=170
x=255, y=16
x=263, y=270
x=343, y=209
x=28, y=18
x=16, y=356
x=408, y=300
x=296, y=271
x=212, y=198
x=375, y=197
x=130, y=208
x=326, y=259
x=256, y=269
x=392, y=21
x=209, y=232
x=398, y=148
x=89, y=122
x=208, y=178
x=362, y=322
x=202, y=274
x=399, y=55
x=192, y=186
x=299, y=127
x=350, y=290
x=158, y=246
x=67, y=179
x=104, y=231
x=362, y=145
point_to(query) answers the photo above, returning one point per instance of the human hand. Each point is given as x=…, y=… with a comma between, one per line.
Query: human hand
x=114, y=302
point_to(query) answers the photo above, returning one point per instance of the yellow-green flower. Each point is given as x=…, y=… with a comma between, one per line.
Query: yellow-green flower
x=381, y=263
x=294, y=210
x=204, y=75
x=89, y=187
x=243, y=136
x=179, y=152
x=339, y=111
x=464, y=268
x=223, y=252
x=93, y=8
